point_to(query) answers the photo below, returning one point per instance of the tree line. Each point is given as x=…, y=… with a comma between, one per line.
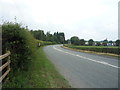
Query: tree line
x=57, y=37
x=76, y=41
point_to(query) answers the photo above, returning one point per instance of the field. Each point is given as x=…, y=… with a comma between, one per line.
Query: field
x=103, y=49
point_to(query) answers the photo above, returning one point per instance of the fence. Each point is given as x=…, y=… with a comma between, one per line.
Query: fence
x=5, y=65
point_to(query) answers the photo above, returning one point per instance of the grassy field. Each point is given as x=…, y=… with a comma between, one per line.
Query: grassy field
x=102, y=49
x=41, y=74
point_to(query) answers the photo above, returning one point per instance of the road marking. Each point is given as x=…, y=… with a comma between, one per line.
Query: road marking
x=101, y=62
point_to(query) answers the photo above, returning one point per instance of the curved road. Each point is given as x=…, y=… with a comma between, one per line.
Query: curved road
x=84, y=70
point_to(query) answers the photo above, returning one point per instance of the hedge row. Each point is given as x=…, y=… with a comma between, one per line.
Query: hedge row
x=21, y=43
x=97, y=49
x=42, y=43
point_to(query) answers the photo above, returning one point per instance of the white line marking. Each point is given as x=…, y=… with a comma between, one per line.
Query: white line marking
x=101, y=62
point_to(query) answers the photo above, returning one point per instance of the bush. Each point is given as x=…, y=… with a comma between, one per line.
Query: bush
x=102, y=49
x=42, y=43
x=20, y=42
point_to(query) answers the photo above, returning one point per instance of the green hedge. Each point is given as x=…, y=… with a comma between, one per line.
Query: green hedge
x=20, y=42
x=42, y=43
x=103, y=49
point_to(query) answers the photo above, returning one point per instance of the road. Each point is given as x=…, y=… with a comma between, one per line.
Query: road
x=84, y=70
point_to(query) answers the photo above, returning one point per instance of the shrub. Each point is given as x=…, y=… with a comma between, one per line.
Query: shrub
x=20, y=42
x=103, y=49
x=42, y=43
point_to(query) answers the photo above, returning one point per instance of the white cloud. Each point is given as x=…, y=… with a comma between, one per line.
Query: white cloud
x=85, y=18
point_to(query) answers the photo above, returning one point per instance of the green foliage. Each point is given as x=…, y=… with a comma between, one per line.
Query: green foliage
x=110, y=41
x=28, y=63
x=105, y=42
x=42, y=43
x=98, y=43
x=61, y=37
x=82, y=42
x=55, y=38
x=49, y=37
x=75, y=40
x=20, y=42
x=103, y=49
x=90, y=42
x=117, y=42
x=40, y=74
x=39, y=34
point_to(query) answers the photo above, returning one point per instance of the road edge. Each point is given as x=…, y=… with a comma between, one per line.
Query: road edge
x=92, y=52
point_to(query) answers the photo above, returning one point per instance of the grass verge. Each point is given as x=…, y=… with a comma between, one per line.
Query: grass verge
x=75, y=48
x=41, y=74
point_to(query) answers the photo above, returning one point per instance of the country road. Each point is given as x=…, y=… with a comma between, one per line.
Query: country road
x=84, y=70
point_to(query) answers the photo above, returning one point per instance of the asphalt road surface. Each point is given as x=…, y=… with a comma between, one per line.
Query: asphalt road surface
x=84, y=70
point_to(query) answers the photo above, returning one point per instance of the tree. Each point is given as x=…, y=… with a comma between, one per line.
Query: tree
x=75, y=40
x=98, y=43
x=82, y=42
x=59, y=37
x=49, y=37
x=117, y=42
x=19, y=42
x=110, y=43
x=105, y=42
x=56, y=37
x=90, y=42
x=62, y=37
x=38, y=34
x=67, y=41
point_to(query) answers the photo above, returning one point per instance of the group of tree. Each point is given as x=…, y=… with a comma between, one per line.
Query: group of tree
x=57, y=37
x=76, y=41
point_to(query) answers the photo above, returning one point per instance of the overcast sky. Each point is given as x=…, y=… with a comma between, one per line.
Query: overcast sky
x=96, y=19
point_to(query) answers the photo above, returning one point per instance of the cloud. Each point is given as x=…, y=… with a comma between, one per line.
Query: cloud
x=87, y=19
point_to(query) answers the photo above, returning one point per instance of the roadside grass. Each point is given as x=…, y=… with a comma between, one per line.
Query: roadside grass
x=41, y=74
x=44, y=73
x=76, y=46
x=30, y=68
x=101, y=50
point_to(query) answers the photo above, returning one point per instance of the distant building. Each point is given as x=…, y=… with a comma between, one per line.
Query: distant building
x=111, y=44
x=102, y=43
x=86, y=43
x=95, y=43
x=108, y=43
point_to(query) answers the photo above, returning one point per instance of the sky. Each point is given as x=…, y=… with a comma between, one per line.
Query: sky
x=87, y=19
